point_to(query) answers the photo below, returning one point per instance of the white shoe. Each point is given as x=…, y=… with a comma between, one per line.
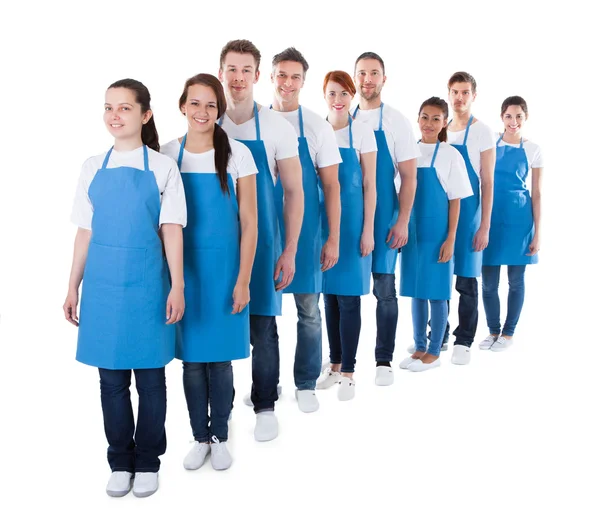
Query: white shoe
x=145, y=484
x=346, y=388
x=196, y=456
x=502, y=343
x=325, y=365
x=119, y=483
x=461, y=355
x=412, y=348
x=267, y=427
x=418, y=365
x=406, y=362
x=328, y=378
x=488, y=342
x=220, y=458
x=384, y=376
x=248, y=397
x=307, y=400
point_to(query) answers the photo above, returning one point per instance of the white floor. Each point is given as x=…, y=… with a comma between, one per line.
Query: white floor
x=509, y=441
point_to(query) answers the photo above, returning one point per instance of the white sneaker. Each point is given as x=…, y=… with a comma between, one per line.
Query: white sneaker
x=502, y=343
x=307, y=400
x=346, y=388
x=461, y=355
x=219, y=455
x=406, y=362
x=328, y=378
x=384, y=376
x=248, y=397
x=119, y=483
x=418, y=365
x=196, y=456
x=145, y=484
x=325, y=365
x=412, y=348
x=488, y=342
x=267, y=427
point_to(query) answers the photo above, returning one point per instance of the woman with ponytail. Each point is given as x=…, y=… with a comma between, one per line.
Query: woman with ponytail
x=427, y=259
x=219, y=176
x=129, y=204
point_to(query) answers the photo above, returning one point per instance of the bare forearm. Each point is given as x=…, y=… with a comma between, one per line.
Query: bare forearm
x=536, y=201
x=172, y=236
x=370, y=202
x=488, y=162
x=247, y=249
x=293, y=212
x=408, y=188
x=453, y=215
x=80, y=252
x=333, y=207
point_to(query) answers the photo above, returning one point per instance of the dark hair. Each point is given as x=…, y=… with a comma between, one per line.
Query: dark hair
x=438, y=102
x=341, y=78
x=291, y=54
x=370, y=55
x=514, y=100
x=240, y=46
x=142, y=98
x=220, y=138
x=462, y=77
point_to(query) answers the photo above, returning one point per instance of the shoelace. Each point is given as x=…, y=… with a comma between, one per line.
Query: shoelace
x=501, y=340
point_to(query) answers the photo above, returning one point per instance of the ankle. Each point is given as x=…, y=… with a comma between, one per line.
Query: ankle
x=386, y=364
x=336, y=367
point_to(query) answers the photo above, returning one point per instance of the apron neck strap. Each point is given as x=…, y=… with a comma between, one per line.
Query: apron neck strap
x=181, y=149
x=256, y=122
x=106, y=158
x=301, y=121
x=467, y=131
x=350, y=131
x=437, y=146
x=146, y=166
x=381, y=117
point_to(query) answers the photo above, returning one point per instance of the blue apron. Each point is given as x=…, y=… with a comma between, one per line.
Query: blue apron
x=125, y=281
x=308, y=277
x=209, y=332
x=386, y=211
x=421, y=276
x=512, y=227
x=351, y=276
x=264, y=299
x=467, y=262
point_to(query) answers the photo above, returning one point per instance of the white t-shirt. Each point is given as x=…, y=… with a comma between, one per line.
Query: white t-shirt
x=450, y=168
x=172, y=196
x=533, y=152
x=363, y=138
x=319, y=136
x=240, y=164
x=481, y=138
x=279, y=137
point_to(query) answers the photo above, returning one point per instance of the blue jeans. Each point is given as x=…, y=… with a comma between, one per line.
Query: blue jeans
x=384, y=289
x=204, y=384
x=134, y=447
x=342, y=316
x=265, y=362
x=439, y=320
x=491, y=301
x=307, y=363
x=467, y=310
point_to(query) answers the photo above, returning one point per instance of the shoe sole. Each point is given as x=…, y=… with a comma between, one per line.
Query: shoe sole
x=144, y=494
x=118, y=493
x=266, y=439
x=385, y=383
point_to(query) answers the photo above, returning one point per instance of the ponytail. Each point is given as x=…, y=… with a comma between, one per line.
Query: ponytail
x=150, y=135
x=222, y=155
x=443, y=135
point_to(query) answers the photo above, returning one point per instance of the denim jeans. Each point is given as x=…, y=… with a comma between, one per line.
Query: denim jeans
x=265, y=362
x=439, y=320
x=490, y=276
x=384, y=289
x=467, y=310
x=342, y=316
x=307, y=363
x=134, y=447
x=204, y=384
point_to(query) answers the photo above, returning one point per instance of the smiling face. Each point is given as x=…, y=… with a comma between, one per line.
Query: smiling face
x=338, y=99
x=123, y=116
x=369, y=78
x=431, y=122
x=201, y=108
x=461, y=97
x=514, y=118
x=238, y=74
x=288, y=78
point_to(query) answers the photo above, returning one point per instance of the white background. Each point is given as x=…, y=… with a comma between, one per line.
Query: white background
x=509, y=441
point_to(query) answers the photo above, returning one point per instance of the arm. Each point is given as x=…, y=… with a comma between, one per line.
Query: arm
x=331, y=190
x=80, y=251
x=398, y=235
x=290, y=172
x=536, y=201
x=368, y=162
x=488, y=162
x=172, y=236
x=447, y=248
x=246, y=196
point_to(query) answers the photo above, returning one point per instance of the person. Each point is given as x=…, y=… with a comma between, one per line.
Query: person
x=516, y=217
x=129, y=202
x=350, y=278
x=274, y=147
x=319, y=157
x=426, y=262
x=397, y=154
x=476, y=143
x=219, y=176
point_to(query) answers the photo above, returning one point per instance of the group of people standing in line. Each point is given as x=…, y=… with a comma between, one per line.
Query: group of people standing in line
x=279, y=200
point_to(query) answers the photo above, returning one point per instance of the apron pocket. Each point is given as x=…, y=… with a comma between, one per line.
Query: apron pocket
x=114, y=266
